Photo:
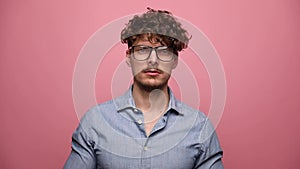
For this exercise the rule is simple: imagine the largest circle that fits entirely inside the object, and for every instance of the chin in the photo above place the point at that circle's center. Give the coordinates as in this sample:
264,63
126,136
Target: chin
149,86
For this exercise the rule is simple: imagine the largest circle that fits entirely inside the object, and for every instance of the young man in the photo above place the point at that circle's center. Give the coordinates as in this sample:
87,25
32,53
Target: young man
147,127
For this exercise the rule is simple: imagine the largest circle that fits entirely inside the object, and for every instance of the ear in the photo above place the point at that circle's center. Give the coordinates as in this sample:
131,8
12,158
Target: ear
175,62
128,58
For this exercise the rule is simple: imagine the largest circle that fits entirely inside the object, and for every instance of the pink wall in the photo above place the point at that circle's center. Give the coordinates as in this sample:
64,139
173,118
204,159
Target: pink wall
257,41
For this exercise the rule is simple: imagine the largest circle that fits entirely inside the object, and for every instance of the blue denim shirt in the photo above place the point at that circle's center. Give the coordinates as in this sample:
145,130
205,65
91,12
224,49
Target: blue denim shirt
111,135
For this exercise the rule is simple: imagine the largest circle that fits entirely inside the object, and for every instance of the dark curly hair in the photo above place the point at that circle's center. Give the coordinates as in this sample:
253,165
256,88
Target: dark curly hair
157,26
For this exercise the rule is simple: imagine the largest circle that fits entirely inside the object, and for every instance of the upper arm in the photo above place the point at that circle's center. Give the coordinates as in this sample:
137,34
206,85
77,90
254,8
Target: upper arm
82,154
210,153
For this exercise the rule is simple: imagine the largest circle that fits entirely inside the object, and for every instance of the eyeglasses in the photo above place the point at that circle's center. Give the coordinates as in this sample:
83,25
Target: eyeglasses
142,53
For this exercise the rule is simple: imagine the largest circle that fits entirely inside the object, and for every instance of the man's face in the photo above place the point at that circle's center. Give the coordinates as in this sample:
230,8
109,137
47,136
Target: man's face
151,73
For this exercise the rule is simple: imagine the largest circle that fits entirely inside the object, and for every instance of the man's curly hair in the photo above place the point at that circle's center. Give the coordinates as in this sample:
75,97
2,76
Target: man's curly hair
156,25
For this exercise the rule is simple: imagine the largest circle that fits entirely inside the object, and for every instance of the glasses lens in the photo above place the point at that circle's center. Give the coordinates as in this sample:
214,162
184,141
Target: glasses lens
165,53
141,52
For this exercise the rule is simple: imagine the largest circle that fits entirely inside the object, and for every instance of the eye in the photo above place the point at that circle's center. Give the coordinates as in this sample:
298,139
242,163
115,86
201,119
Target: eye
141,49
164,50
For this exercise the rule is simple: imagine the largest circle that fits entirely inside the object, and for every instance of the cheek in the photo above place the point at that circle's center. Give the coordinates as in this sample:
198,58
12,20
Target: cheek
137,67
167,68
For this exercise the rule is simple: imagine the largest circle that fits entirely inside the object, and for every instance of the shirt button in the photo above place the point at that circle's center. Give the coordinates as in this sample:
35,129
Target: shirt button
135,110
145,148
139,121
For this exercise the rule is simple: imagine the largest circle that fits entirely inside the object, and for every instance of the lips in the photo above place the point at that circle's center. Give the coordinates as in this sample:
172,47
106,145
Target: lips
152,72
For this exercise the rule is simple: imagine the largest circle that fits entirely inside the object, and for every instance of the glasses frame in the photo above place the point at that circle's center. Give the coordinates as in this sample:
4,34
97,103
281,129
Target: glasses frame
131,49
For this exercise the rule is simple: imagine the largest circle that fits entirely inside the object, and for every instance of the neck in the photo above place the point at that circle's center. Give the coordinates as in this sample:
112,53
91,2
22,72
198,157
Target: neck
155,100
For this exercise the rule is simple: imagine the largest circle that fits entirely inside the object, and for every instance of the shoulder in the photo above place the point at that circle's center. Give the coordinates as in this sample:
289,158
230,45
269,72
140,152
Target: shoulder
201,127
95,119
188,111
191,119
95,113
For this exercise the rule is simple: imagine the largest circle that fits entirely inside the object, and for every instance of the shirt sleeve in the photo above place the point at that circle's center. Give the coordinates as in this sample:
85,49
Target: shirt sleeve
210,153
82,154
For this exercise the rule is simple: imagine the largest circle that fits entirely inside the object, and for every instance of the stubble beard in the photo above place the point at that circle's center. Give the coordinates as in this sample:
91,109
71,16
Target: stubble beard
150,87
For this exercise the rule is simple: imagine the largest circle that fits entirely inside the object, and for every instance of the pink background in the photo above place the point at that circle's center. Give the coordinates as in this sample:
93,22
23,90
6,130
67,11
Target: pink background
258,43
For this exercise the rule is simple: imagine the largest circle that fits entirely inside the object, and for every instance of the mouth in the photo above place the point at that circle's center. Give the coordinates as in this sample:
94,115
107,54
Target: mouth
152,72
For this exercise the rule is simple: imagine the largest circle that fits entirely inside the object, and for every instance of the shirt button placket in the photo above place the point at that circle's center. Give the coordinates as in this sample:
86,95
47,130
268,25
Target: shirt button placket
146,159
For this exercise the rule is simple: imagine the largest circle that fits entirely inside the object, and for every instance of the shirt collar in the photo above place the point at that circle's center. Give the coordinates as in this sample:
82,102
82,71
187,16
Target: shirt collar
126,101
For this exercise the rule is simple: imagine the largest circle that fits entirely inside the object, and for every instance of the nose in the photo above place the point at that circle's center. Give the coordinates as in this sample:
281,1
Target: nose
153,57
